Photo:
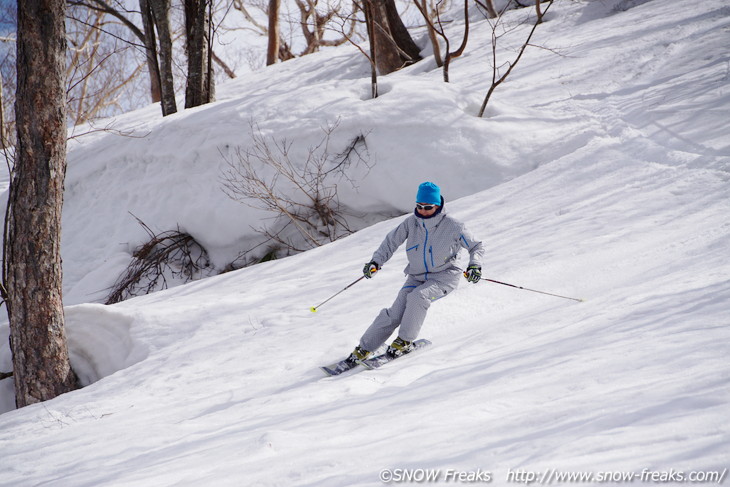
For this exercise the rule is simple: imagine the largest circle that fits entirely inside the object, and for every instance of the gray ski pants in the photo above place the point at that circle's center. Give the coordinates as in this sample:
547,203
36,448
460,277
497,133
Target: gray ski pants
409,308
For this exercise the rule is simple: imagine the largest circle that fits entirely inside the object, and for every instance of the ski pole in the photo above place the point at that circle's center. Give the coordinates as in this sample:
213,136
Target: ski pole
533,290
313,309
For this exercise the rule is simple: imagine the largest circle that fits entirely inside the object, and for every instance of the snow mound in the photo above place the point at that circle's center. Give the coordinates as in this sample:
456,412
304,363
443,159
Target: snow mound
100,341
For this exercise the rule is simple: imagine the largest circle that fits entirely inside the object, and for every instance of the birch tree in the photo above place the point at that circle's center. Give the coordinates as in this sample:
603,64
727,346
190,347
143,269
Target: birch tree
200,83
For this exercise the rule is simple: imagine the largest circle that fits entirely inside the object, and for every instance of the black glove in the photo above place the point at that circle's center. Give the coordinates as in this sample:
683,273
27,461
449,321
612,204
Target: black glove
473,273
370,269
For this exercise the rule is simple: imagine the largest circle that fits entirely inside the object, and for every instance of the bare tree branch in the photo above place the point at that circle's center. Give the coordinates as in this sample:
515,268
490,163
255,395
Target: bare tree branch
174,254
496,79
302,196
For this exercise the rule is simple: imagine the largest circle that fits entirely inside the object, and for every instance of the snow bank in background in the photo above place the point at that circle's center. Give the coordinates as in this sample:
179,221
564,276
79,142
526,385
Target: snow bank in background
418,129
175,166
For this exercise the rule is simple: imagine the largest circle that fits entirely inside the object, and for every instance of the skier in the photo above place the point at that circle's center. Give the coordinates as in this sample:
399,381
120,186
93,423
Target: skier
434,240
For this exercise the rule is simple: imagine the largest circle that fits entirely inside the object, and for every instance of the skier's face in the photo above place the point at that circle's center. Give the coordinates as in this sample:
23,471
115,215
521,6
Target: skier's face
426,209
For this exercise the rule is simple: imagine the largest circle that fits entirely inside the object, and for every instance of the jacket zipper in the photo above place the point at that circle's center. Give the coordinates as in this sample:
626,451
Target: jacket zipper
425,242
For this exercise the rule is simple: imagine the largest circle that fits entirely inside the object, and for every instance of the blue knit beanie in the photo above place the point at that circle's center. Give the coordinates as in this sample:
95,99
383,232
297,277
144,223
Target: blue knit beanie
429,193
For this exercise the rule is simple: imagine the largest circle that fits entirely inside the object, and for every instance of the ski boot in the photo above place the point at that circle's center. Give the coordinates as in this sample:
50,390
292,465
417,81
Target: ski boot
357,356
399,347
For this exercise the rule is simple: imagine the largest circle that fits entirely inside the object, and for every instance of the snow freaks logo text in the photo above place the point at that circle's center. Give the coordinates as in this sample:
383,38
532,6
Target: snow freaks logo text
548,477
425,475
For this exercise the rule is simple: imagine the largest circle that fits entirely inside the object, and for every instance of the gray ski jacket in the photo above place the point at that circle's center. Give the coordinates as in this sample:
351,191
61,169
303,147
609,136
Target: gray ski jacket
433,244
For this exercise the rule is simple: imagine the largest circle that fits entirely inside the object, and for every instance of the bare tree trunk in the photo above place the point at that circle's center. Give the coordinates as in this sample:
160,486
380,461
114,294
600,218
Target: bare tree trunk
410,50
147,37
368,9
272,54
394,46
423,7
33,267
150,44
453,55
3,139
387,58
161,15
209,73
197,23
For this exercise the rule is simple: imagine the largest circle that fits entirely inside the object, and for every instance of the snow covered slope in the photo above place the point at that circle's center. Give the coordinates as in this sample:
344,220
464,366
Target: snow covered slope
614,187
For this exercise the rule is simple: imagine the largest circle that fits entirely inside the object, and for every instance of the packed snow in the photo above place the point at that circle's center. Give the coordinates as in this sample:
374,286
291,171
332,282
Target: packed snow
601,171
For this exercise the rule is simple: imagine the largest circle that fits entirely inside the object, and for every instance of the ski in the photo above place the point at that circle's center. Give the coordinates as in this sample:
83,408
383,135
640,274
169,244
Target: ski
343,366
382,359
338,368
379,359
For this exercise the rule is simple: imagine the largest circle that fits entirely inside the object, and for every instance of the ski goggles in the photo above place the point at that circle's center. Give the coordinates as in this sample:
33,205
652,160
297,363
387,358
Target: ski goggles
425,207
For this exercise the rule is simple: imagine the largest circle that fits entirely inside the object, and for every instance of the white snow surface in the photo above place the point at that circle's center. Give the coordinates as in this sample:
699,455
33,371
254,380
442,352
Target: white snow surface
601,171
